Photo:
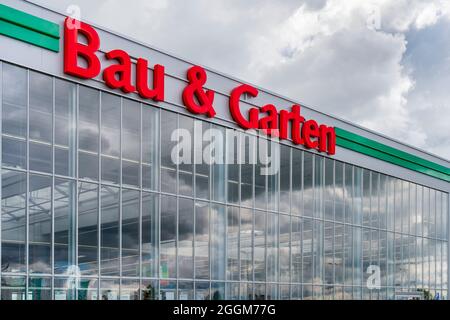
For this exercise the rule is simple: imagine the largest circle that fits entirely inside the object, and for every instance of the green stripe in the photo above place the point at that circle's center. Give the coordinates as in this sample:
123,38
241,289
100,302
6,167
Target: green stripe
28,21
380,151
27,35
392,151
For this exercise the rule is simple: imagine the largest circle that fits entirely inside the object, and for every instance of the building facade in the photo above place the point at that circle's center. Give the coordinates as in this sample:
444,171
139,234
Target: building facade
95,207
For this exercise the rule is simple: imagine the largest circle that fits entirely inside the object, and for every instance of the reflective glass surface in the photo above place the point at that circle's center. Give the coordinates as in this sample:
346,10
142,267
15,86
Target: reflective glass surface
96,204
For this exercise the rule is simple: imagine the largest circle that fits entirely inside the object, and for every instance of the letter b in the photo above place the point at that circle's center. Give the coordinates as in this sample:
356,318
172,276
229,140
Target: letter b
73,49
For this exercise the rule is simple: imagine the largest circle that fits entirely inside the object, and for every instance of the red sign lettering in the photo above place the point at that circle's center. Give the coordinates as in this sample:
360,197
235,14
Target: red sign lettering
118,75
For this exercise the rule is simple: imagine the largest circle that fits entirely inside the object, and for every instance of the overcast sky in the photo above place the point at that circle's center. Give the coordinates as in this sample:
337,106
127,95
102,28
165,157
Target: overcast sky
384,64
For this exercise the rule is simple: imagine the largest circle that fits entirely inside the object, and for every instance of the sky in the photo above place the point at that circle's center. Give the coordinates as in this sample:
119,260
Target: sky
383,64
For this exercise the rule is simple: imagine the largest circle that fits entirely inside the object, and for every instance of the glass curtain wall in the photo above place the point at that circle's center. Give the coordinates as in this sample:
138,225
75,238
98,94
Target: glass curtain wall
97,204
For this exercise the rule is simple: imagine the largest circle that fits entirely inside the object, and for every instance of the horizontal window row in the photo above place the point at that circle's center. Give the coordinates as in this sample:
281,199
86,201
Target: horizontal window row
41,288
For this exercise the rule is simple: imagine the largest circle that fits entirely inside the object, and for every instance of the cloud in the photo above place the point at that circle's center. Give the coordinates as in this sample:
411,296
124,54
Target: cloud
360,60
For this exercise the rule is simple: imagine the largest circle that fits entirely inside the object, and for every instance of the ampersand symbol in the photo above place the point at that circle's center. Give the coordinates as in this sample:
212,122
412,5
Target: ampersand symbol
204,104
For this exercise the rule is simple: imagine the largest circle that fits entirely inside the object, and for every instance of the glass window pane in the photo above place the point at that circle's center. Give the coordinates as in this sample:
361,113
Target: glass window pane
260,176
202,163
110,137
88,133
374,203
318,185
272,172
339,198
382,191
338,243
445,214
328,190
131,142
14,188
14,152
297,196
65,111
14,107
201,240
185,290
202,291
218,167
110,244
167,290
248,149
296,250
185,238
357,196
150,235
285,234
272,247
318,252
39,288
246,245
307,249
246,291
64,224
149,289
129,289
41,157
218,236
169,124
260,291
185,147
217,291
432,214
40,224
130,173
109,289
168,237
65,289
260,246
110,169
233,145
62,162
271,291
406,212
131,125
13,288
348,193
65,128
366,185
150,148
233,243
348,258
397,204
130,233
285,178
88,166
87,289
308,191
41,107
438,222
87,228
88,126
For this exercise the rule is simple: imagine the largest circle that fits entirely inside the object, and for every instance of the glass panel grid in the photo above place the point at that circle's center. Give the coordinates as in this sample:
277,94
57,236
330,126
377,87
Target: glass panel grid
86,215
